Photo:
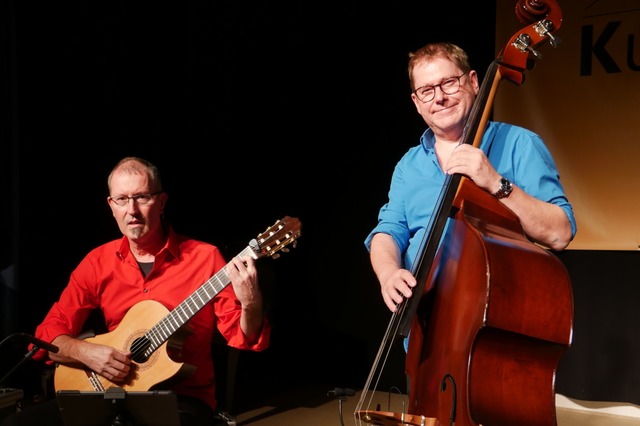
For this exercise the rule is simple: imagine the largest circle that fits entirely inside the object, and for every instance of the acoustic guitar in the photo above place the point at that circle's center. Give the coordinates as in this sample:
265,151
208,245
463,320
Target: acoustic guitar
153,334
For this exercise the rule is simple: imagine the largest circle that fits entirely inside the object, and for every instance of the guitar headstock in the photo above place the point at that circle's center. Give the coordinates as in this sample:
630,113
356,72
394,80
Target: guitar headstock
277,237
543,17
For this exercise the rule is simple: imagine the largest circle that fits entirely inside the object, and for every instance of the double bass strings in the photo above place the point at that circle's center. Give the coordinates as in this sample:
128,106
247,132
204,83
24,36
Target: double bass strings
392,331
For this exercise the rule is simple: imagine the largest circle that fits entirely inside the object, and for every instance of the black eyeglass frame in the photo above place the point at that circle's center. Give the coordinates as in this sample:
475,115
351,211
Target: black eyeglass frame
444,81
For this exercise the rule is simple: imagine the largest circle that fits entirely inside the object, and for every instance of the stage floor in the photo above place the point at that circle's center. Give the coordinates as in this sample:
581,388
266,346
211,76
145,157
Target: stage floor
309,405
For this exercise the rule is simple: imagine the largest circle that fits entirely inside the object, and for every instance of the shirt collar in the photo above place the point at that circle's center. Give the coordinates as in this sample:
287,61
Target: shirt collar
172,245
428,140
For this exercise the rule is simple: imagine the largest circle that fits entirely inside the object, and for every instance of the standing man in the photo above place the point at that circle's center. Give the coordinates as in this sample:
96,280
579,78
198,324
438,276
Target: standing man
512,163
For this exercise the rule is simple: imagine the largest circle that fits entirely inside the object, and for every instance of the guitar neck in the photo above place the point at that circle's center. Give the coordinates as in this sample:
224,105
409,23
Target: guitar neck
182,313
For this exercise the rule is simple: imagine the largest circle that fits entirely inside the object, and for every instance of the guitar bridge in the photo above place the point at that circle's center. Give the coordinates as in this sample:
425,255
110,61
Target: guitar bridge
95,381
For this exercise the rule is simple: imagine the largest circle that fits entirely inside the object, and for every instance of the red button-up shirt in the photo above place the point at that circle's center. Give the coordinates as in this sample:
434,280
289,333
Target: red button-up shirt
109,279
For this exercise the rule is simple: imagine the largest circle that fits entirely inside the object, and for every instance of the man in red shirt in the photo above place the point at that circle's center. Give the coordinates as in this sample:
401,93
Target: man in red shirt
151,262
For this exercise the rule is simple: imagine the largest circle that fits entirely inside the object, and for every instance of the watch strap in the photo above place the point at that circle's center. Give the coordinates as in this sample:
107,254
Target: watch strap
505,189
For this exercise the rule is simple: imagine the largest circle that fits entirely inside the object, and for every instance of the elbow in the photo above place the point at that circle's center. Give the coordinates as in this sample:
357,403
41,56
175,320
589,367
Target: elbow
561,239
559,245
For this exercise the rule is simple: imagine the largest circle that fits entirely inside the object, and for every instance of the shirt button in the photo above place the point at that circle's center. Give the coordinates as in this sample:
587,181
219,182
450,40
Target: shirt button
145,291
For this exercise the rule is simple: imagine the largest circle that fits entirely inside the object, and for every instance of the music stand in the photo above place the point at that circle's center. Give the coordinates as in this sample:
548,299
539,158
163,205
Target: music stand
117,407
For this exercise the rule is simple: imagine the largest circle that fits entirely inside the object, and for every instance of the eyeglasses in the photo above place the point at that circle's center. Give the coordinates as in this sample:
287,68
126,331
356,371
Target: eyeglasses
449,86
140,199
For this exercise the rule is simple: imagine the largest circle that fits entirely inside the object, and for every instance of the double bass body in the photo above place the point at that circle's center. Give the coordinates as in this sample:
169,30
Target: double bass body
494,319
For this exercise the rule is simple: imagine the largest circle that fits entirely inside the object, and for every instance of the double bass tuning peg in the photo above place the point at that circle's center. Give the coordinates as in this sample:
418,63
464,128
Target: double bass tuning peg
523,43
554,41
544,28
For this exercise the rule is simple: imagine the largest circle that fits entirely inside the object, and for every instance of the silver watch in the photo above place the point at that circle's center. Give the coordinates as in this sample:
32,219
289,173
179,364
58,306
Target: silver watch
505,189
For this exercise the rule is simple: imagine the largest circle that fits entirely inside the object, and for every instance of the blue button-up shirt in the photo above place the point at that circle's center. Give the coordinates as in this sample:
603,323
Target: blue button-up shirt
515,152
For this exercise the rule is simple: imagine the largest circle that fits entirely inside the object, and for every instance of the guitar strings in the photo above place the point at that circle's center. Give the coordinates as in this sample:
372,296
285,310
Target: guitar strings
166,327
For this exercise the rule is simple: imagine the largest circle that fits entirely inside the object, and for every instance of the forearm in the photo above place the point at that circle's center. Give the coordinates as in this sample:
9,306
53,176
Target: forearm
544,223
251,321
69,350
385,256
396,283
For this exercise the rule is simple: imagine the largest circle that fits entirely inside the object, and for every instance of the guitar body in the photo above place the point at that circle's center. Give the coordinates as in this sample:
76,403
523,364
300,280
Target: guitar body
158,368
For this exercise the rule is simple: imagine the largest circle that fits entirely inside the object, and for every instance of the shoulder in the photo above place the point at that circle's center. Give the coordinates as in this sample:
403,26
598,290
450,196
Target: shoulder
510,131
182,246
112,246
511,138
183,241
190,244
413,154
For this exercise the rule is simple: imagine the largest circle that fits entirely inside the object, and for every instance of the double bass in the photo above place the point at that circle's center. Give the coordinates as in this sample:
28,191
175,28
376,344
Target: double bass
492,313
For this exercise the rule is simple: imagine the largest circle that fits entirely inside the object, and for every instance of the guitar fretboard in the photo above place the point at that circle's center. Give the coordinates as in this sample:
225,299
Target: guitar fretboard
175,319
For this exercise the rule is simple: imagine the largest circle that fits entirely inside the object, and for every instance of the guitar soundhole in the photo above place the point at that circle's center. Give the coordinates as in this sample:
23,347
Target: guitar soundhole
139,349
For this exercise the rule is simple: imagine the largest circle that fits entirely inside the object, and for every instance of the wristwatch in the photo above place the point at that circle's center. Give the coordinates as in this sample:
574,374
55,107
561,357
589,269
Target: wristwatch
505,189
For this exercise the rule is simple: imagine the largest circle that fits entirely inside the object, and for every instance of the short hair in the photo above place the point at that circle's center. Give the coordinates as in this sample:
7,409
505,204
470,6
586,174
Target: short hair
135,165
441,49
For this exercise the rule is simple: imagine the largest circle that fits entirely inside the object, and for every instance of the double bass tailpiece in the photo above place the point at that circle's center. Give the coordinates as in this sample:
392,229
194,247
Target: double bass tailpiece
386,418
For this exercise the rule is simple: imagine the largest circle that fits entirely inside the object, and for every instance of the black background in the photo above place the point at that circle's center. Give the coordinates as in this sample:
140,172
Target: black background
253,111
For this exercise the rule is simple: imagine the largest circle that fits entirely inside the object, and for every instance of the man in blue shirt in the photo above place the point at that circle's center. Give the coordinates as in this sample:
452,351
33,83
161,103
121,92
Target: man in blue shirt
512,163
